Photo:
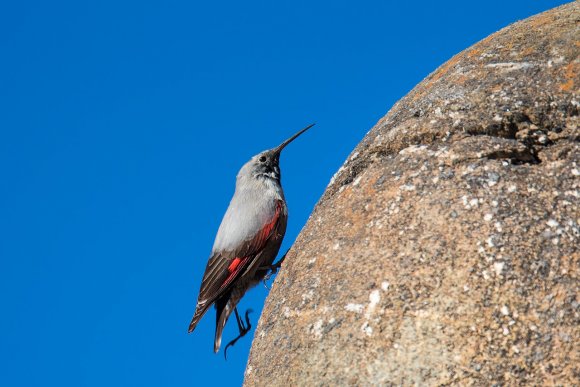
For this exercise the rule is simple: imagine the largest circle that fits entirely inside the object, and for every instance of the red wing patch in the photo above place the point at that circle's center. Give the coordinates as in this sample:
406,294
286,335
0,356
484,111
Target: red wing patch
267,230
237,263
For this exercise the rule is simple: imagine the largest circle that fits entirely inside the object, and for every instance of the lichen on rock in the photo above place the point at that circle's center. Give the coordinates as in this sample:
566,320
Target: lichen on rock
445,250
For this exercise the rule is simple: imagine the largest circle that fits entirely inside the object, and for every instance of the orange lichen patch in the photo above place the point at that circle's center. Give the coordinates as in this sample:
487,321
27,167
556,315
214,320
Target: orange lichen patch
528,52
569,265
497,88
570,74
443,70
473,52
508,46
540,21
477,50
461,79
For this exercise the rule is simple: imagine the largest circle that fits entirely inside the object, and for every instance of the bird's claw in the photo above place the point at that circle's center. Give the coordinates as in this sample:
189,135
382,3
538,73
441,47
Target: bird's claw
244,328
273,269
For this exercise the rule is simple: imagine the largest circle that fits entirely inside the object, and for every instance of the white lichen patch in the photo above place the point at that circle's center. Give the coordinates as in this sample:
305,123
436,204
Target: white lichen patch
412,149
333,178
367,329
316,329
308,296
374,299
498,267
385,285
288,313
326,309
469,203
557,59
356,308
504,310
488,217
574,193
510,66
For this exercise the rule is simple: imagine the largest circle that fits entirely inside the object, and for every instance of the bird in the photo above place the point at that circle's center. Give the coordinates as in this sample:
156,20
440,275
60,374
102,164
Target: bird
247,242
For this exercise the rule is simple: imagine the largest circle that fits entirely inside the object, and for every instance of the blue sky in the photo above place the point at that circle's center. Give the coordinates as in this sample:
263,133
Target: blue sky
122,127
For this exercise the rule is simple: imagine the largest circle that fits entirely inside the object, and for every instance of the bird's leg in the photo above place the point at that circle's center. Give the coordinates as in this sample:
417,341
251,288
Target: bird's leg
273,268
244,328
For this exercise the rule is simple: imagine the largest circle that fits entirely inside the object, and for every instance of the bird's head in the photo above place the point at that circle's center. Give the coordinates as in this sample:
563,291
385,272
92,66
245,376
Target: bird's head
266,164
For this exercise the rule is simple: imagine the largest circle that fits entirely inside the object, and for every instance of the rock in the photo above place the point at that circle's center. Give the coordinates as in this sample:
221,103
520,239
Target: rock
445,250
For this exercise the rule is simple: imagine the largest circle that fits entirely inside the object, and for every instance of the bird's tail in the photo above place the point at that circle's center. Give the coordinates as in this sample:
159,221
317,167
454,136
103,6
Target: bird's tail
224,308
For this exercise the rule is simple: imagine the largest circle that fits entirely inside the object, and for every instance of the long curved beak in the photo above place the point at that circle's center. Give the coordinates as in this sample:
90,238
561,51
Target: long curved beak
279,148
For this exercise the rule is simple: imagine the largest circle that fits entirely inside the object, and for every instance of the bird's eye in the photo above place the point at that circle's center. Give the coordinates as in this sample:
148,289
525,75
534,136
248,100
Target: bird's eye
262,159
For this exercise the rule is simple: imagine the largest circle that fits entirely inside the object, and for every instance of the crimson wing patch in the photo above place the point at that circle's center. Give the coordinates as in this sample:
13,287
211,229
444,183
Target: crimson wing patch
222,270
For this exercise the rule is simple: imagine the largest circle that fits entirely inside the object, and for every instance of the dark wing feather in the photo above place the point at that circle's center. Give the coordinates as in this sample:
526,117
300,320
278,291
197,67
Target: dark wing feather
223,268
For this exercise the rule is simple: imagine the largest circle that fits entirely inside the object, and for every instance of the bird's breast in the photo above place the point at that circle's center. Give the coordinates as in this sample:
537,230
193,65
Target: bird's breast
247,215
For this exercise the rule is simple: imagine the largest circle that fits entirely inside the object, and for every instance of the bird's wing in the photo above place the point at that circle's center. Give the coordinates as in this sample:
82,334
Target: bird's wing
223,268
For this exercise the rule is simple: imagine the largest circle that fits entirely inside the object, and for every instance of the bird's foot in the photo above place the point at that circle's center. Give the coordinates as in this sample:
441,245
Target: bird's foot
244,328
273,268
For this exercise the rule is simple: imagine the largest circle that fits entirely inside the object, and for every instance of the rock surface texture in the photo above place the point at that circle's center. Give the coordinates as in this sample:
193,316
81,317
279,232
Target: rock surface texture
446,249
